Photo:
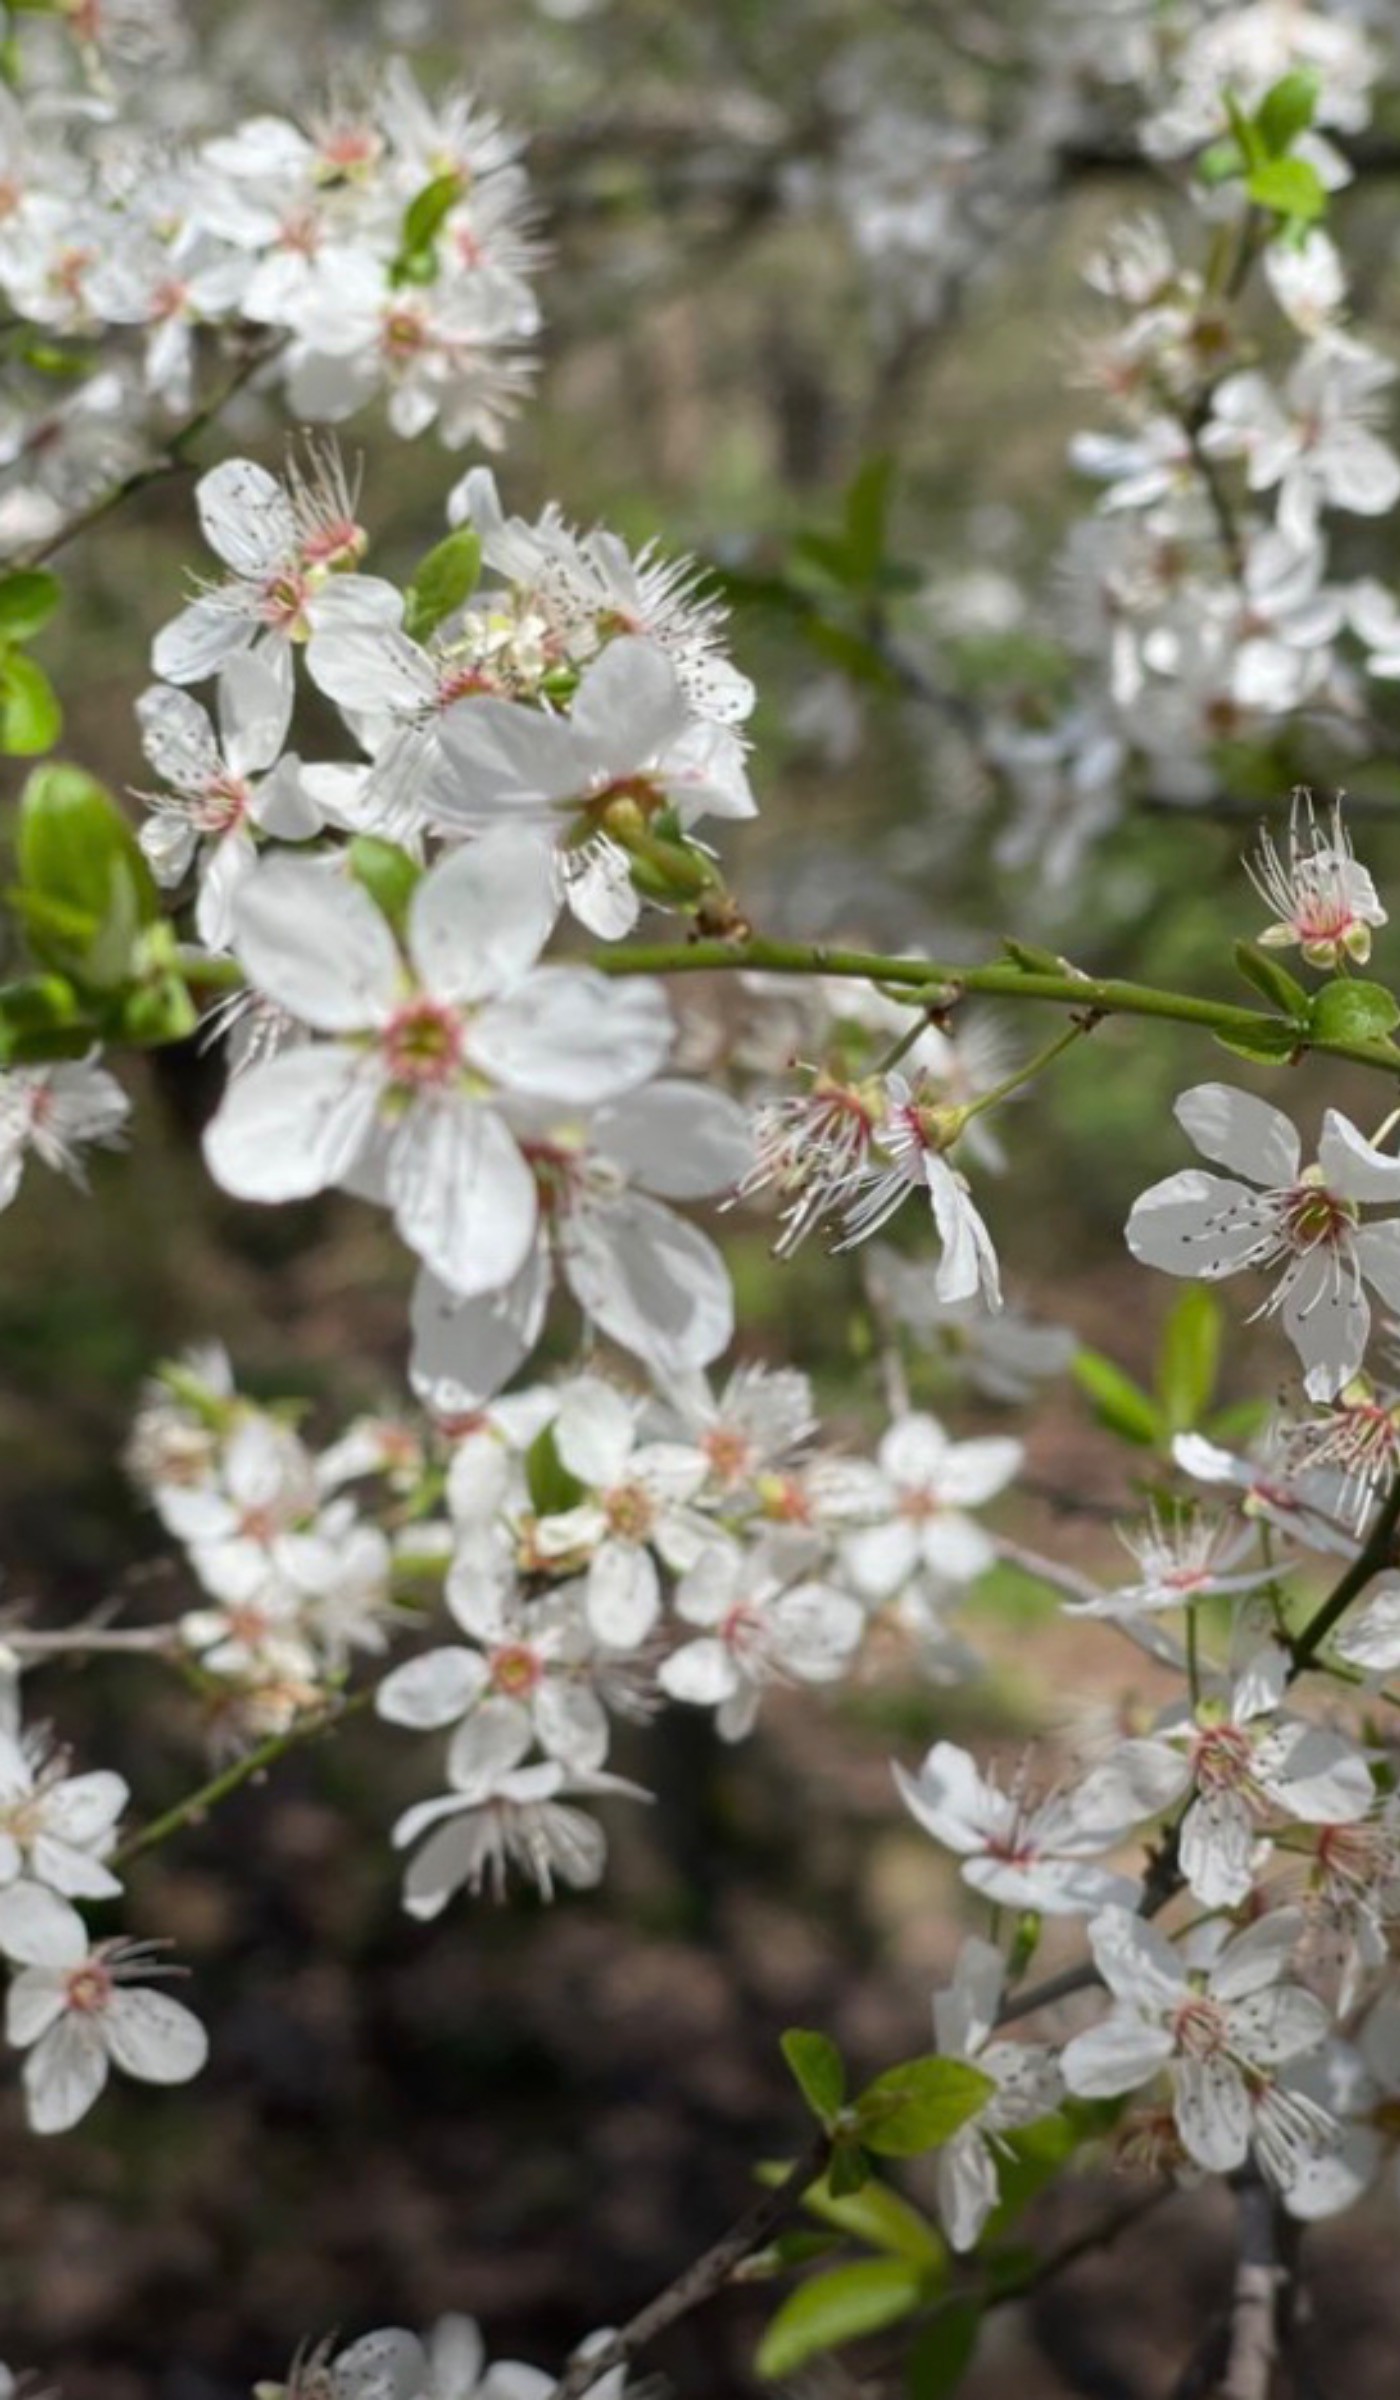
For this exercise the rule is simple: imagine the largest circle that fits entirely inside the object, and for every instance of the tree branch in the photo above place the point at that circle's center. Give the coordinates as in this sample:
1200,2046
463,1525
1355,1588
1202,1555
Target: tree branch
1065,987
173,455
702,2279
1259,2281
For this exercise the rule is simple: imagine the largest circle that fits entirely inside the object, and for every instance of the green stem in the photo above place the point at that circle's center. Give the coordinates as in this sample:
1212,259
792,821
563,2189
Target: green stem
1100,996
253,1763
1371,1561
1027,1074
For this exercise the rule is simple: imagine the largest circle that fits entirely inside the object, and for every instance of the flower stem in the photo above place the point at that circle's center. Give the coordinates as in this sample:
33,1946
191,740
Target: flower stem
196,1805
1023,1075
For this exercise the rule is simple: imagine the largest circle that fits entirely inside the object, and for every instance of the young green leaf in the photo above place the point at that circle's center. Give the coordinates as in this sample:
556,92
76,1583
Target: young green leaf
444,580
41,1017
1281,990
920,2104
552,1488
86,890
867,518
1287,110
848,2170
1188,1360
838,2307
1263,1040
818,2070
28,598
1290,188
1350,1011
1117,1401
387,873
943,2352
882,2218
423,219
31,719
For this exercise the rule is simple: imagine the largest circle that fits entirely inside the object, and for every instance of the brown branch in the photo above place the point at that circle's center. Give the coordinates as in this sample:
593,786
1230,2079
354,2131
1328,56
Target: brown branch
171,458
703,2278
90,1641
1260,2278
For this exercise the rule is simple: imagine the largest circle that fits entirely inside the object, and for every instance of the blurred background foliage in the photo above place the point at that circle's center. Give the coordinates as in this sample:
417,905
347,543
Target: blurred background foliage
538,2116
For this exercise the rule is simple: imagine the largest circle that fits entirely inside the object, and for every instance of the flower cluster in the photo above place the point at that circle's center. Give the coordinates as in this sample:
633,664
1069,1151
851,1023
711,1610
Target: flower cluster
383,249
71,2006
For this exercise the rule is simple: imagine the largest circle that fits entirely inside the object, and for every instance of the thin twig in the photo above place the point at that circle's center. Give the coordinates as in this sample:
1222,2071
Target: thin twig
173,456
196,1805
90,1641
703,2278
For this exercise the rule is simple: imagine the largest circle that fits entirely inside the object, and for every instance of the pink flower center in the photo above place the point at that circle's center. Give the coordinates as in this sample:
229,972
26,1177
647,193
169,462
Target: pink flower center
422,1045
282,600
222,804
739,1629
516,1669
730,1453
1200,2028
1222,1758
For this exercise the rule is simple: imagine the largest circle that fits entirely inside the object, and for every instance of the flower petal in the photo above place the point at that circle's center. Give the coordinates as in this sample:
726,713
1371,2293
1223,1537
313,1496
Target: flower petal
1234,1129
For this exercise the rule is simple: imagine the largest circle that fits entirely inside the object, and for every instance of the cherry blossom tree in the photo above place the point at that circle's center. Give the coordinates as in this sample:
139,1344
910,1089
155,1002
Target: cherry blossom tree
449,867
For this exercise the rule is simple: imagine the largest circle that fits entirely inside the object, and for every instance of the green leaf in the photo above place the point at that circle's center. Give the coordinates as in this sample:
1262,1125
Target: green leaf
827,551
920,2104
87,892
1232,1427
849,2170
1188,1360
867,518
387,873
1269,977
1031,2157
943,2352
838,2307
818,2070
1349,1011
1030,960
786,2250
1245,131
851,652
442,582
882,2218
428,211
158,1012
30,717
1221,163
1287,110
1118,1402
28,599
41,1017
1290,188
553,1489
1263,1040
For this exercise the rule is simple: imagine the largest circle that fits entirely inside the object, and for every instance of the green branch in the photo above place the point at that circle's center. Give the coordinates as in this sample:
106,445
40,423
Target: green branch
1372,1560
196,1805
1002,980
